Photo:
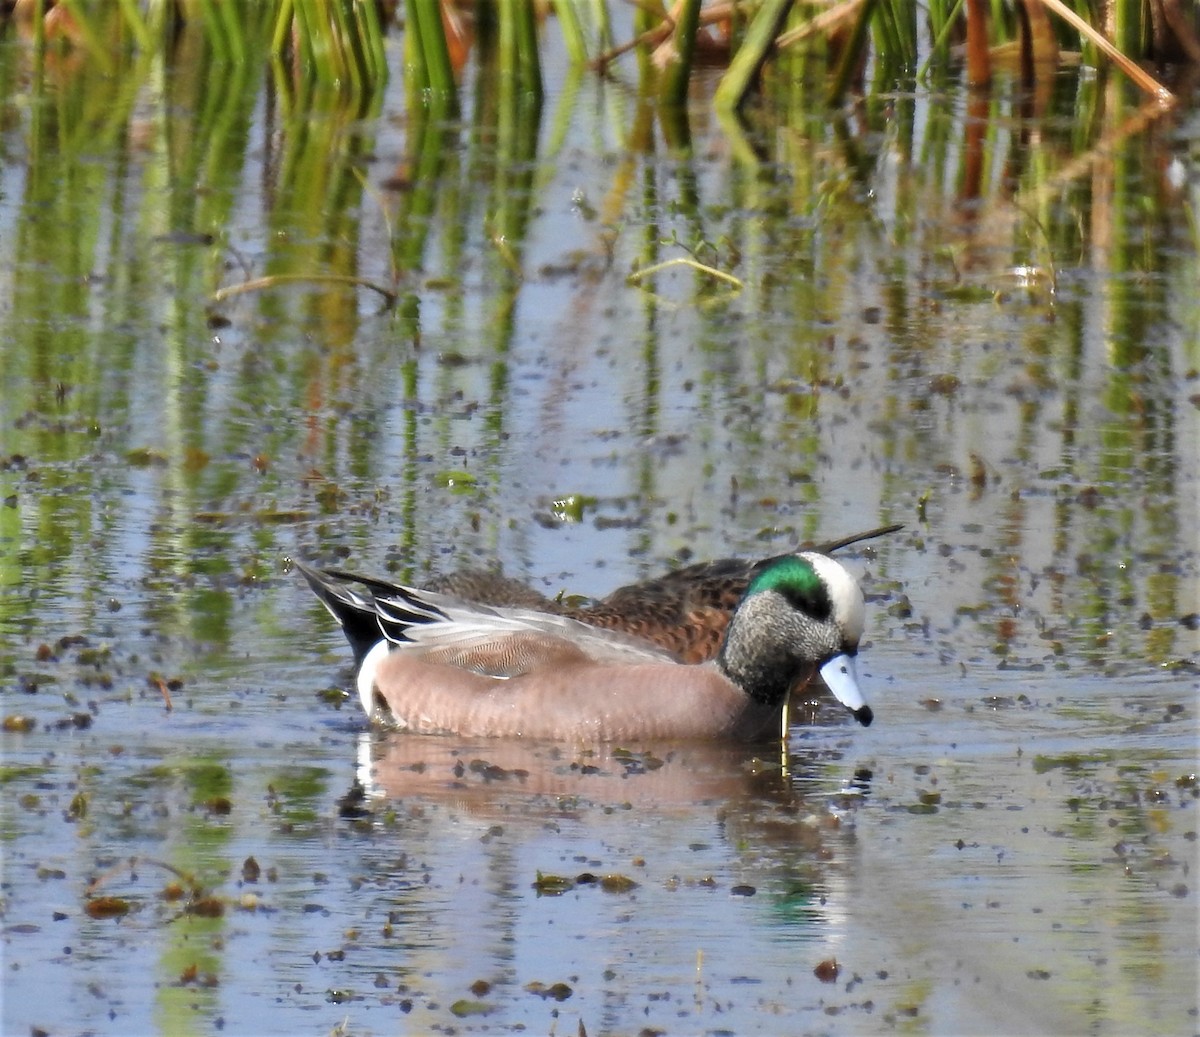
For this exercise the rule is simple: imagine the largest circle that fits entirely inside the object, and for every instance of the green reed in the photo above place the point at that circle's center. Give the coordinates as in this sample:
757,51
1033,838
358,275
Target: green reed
342,42
427,56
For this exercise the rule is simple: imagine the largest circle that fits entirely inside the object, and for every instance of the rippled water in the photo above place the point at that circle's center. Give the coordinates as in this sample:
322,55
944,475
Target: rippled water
1010,848
998,850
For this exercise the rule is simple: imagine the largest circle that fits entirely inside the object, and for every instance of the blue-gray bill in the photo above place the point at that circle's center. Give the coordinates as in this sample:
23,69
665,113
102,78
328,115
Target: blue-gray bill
841,677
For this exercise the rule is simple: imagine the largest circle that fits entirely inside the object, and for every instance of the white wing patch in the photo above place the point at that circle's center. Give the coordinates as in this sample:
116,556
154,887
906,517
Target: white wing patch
421,622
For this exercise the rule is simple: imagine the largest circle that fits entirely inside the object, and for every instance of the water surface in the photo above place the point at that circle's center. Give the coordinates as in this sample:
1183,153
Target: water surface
1012,372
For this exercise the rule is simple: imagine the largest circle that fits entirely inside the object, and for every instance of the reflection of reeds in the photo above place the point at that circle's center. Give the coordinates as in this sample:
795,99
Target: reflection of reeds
980,304
946,214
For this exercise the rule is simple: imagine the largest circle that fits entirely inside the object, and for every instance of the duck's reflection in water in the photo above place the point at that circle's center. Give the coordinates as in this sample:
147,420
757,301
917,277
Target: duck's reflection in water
763,800
609,868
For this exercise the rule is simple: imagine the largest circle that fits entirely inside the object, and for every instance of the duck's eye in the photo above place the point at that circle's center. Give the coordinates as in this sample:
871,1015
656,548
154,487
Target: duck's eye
811,599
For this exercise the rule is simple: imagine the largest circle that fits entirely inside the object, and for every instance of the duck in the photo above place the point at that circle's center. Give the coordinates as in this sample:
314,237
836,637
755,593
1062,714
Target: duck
433,663
685,611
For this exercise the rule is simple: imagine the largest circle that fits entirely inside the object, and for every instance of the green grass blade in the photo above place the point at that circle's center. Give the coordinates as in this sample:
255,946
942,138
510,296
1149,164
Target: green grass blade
137,24
851,52
371,30
431,52
285,16
755,48
678,73
574,39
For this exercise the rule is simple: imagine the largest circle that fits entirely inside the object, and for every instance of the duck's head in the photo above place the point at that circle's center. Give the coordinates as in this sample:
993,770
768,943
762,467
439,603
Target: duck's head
801,613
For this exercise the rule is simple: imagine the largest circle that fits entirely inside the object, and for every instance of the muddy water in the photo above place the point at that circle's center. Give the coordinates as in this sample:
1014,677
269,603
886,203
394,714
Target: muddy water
1017,856
199,834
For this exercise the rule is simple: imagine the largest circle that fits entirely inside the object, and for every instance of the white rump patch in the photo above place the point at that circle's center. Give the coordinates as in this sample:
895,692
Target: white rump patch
366,675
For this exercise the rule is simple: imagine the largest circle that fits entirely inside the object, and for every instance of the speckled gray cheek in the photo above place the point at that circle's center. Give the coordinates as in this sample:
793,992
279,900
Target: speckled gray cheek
771,644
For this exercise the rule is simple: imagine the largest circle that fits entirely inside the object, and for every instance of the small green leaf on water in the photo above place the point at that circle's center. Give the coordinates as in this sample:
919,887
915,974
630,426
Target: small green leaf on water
143,457
617,884
552,885
572,601
334,697
282,516
454,479
969,293
637,762
329,497
571,508
97,656
464,1007
555,992
1068,762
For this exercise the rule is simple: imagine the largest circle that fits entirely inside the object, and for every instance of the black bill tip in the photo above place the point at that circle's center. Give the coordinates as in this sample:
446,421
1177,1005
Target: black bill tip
864,716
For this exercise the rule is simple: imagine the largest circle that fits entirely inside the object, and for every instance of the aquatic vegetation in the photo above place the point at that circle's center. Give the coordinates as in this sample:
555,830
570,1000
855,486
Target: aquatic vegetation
971,311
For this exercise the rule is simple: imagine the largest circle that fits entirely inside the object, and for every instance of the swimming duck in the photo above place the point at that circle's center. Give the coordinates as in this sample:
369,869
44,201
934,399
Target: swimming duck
685,611
433,663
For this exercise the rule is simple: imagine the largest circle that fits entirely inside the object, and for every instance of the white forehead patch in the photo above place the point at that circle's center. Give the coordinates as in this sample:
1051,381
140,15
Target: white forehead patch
846,596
